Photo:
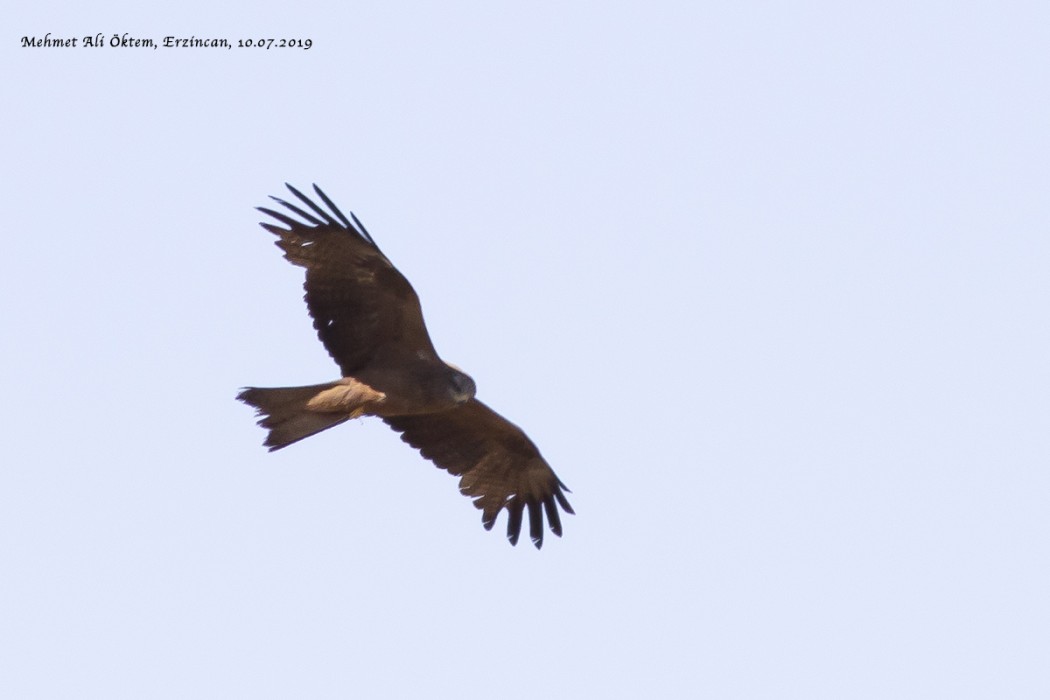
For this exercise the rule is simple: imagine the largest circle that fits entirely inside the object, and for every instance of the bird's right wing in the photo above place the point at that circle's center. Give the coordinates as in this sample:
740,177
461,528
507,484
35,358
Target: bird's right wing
357,298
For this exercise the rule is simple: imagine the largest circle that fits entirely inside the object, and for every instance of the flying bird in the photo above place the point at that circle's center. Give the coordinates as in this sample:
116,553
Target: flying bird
369,319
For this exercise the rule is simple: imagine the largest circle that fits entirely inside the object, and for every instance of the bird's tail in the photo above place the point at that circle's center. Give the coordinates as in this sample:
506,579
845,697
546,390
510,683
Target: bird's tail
285,414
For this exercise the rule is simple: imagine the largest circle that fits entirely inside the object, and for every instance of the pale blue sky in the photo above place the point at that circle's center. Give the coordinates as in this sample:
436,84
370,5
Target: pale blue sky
767,284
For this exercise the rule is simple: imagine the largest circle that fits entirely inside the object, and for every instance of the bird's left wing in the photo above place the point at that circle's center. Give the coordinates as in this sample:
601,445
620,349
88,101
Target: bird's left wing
498,465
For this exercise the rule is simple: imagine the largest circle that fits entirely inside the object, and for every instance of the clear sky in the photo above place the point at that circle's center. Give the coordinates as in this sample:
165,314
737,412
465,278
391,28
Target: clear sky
766,282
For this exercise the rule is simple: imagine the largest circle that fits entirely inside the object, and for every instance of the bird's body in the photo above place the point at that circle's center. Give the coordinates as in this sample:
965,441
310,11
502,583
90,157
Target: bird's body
370,321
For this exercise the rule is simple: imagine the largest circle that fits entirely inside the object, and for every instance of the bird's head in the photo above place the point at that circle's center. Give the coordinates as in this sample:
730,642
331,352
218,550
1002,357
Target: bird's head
461,386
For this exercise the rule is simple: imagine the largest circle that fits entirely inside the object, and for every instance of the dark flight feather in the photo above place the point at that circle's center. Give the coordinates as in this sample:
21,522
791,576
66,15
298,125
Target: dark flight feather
360,303
498,465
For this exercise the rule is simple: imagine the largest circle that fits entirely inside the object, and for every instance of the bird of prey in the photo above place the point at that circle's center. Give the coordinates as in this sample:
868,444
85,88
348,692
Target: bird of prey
369,319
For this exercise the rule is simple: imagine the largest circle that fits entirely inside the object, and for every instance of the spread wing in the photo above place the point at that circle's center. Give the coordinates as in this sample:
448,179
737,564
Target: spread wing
499,465
360,303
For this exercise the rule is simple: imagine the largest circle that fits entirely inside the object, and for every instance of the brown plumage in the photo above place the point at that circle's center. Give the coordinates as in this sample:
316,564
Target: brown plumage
370,321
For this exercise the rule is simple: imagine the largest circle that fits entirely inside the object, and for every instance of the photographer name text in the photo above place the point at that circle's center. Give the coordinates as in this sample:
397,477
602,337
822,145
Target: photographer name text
128,41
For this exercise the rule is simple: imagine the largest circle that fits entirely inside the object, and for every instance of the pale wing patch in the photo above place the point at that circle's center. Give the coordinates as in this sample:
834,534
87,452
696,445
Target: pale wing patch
347,396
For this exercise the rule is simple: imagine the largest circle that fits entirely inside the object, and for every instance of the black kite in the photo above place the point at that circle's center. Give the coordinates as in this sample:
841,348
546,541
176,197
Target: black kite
370,321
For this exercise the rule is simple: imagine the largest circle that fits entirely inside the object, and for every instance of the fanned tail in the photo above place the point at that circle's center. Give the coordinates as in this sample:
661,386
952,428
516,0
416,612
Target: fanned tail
284,413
